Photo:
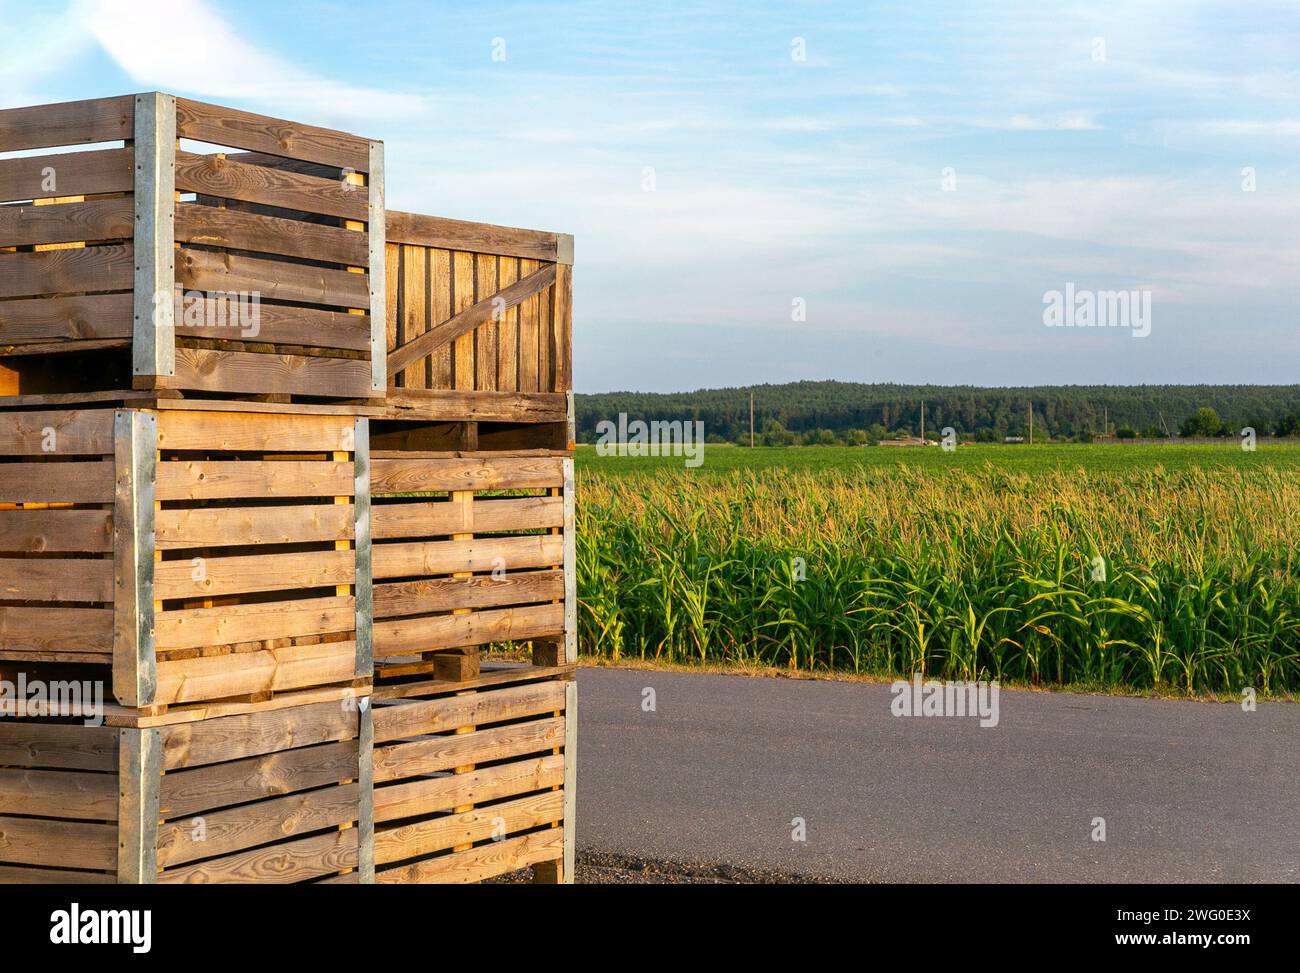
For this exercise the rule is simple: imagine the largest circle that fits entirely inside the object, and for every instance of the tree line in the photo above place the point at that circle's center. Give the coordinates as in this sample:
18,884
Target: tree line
849,413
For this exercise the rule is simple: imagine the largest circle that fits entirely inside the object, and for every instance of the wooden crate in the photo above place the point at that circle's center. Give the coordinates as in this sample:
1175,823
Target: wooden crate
479,320
469,549
476,780
115,261
182,555
278,795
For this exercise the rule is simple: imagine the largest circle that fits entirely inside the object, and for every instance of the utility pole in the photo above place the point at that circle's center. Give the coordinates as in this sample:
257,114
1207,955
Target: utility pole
751,418
923,419
1105,421
1031,422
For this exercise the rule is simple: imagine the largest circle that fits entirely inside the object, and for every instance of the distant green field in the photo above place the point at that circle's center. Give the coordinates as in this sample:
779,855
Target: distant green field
1152,566
1111,456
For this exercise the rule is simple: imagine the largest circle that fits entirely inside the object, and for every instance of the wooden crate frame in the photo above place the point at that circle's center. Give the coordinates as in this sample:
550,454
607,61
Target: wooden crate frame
456,565
478,780
480,320
183,555
276,796
102,242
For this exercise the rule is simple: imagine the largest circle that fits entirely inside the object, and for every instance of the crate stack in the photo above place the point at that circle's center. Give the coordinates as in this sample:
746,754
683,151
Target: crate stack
275,549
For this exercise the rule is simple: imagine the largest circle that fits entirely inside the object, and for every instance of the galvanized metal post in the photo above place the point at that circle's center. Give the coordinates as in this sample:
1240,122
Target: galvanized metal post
154,333
570,778
139,777
366,800
363,581
135,456
377,231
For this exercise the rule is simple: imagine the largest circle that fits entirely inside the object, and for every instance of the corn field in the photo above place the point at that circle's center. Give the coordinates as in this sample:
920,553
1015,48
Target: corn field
1140,578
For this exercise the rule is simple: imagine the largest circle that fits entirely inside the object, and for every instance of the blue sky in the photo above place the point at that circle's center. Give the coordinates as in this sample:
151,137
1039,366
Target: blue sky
712,177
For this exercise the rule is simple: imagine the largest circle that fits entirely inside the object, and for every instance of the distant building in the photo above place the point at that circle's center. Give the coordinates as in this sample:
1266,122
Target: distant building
1013,439
906,441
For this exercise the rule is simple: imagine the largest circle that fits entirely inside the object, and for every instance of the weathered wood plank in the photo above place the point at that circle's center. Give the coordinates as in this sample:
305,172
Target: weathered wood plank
407,635
410,559
67,174
445,234
107,268
259,133
254,734
58,794
53,876
234,479
416,475
88,482
448,404
58,844
439,834
255,432
289,861
187,792
38,321
58,433
447,594
263,671
235,371
231,526
221,319
391,520
233,624
217,226
479,863
431,755
274,280
77,580
413,718
67,123
89,220
246,574
223,177
66,631
58,746
56,531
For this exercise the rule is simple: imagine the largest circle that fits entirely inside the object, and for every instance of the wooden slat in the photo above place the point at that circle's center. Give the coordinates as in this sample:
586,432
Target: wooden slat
57,631
487,287
58,794
407,635
462,300
391,520
58,844
482,406
254,734
90,269
259,133
56,579
408,559
439,834
289,861
231,526
431,755
563,329
428,475
274,280
235,371
224,178
58,746
263,671
255,432
243,827
56,531
438,794
41,320
507,378
232,624
481,862
218,226
188,792
68,123
248,573
468,319
529,334
440,291
274,324
95,219
413,718
447,594
53,876
415,311
214,479
73,174
74,433
89,482
445,234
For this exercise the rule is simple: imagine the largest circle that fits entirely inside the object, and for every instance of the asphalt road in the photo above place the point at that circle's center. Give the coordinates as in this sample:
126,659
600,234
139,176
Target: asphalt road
722,767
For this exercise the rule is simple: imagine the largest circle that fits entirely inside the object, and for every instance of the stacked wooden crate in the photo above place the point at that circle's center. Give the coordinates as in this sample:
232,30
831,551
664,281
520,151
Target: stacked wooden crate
186,513
187,343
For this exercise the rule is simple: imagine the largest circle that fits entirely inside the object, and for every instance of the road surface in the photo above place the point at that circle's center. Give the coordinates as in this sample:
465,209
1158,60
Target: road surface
720,770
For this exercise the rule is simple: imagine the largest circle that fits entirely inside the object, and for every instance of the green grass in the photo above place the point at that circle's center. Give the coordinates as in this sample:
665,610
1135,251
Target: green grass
973,564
